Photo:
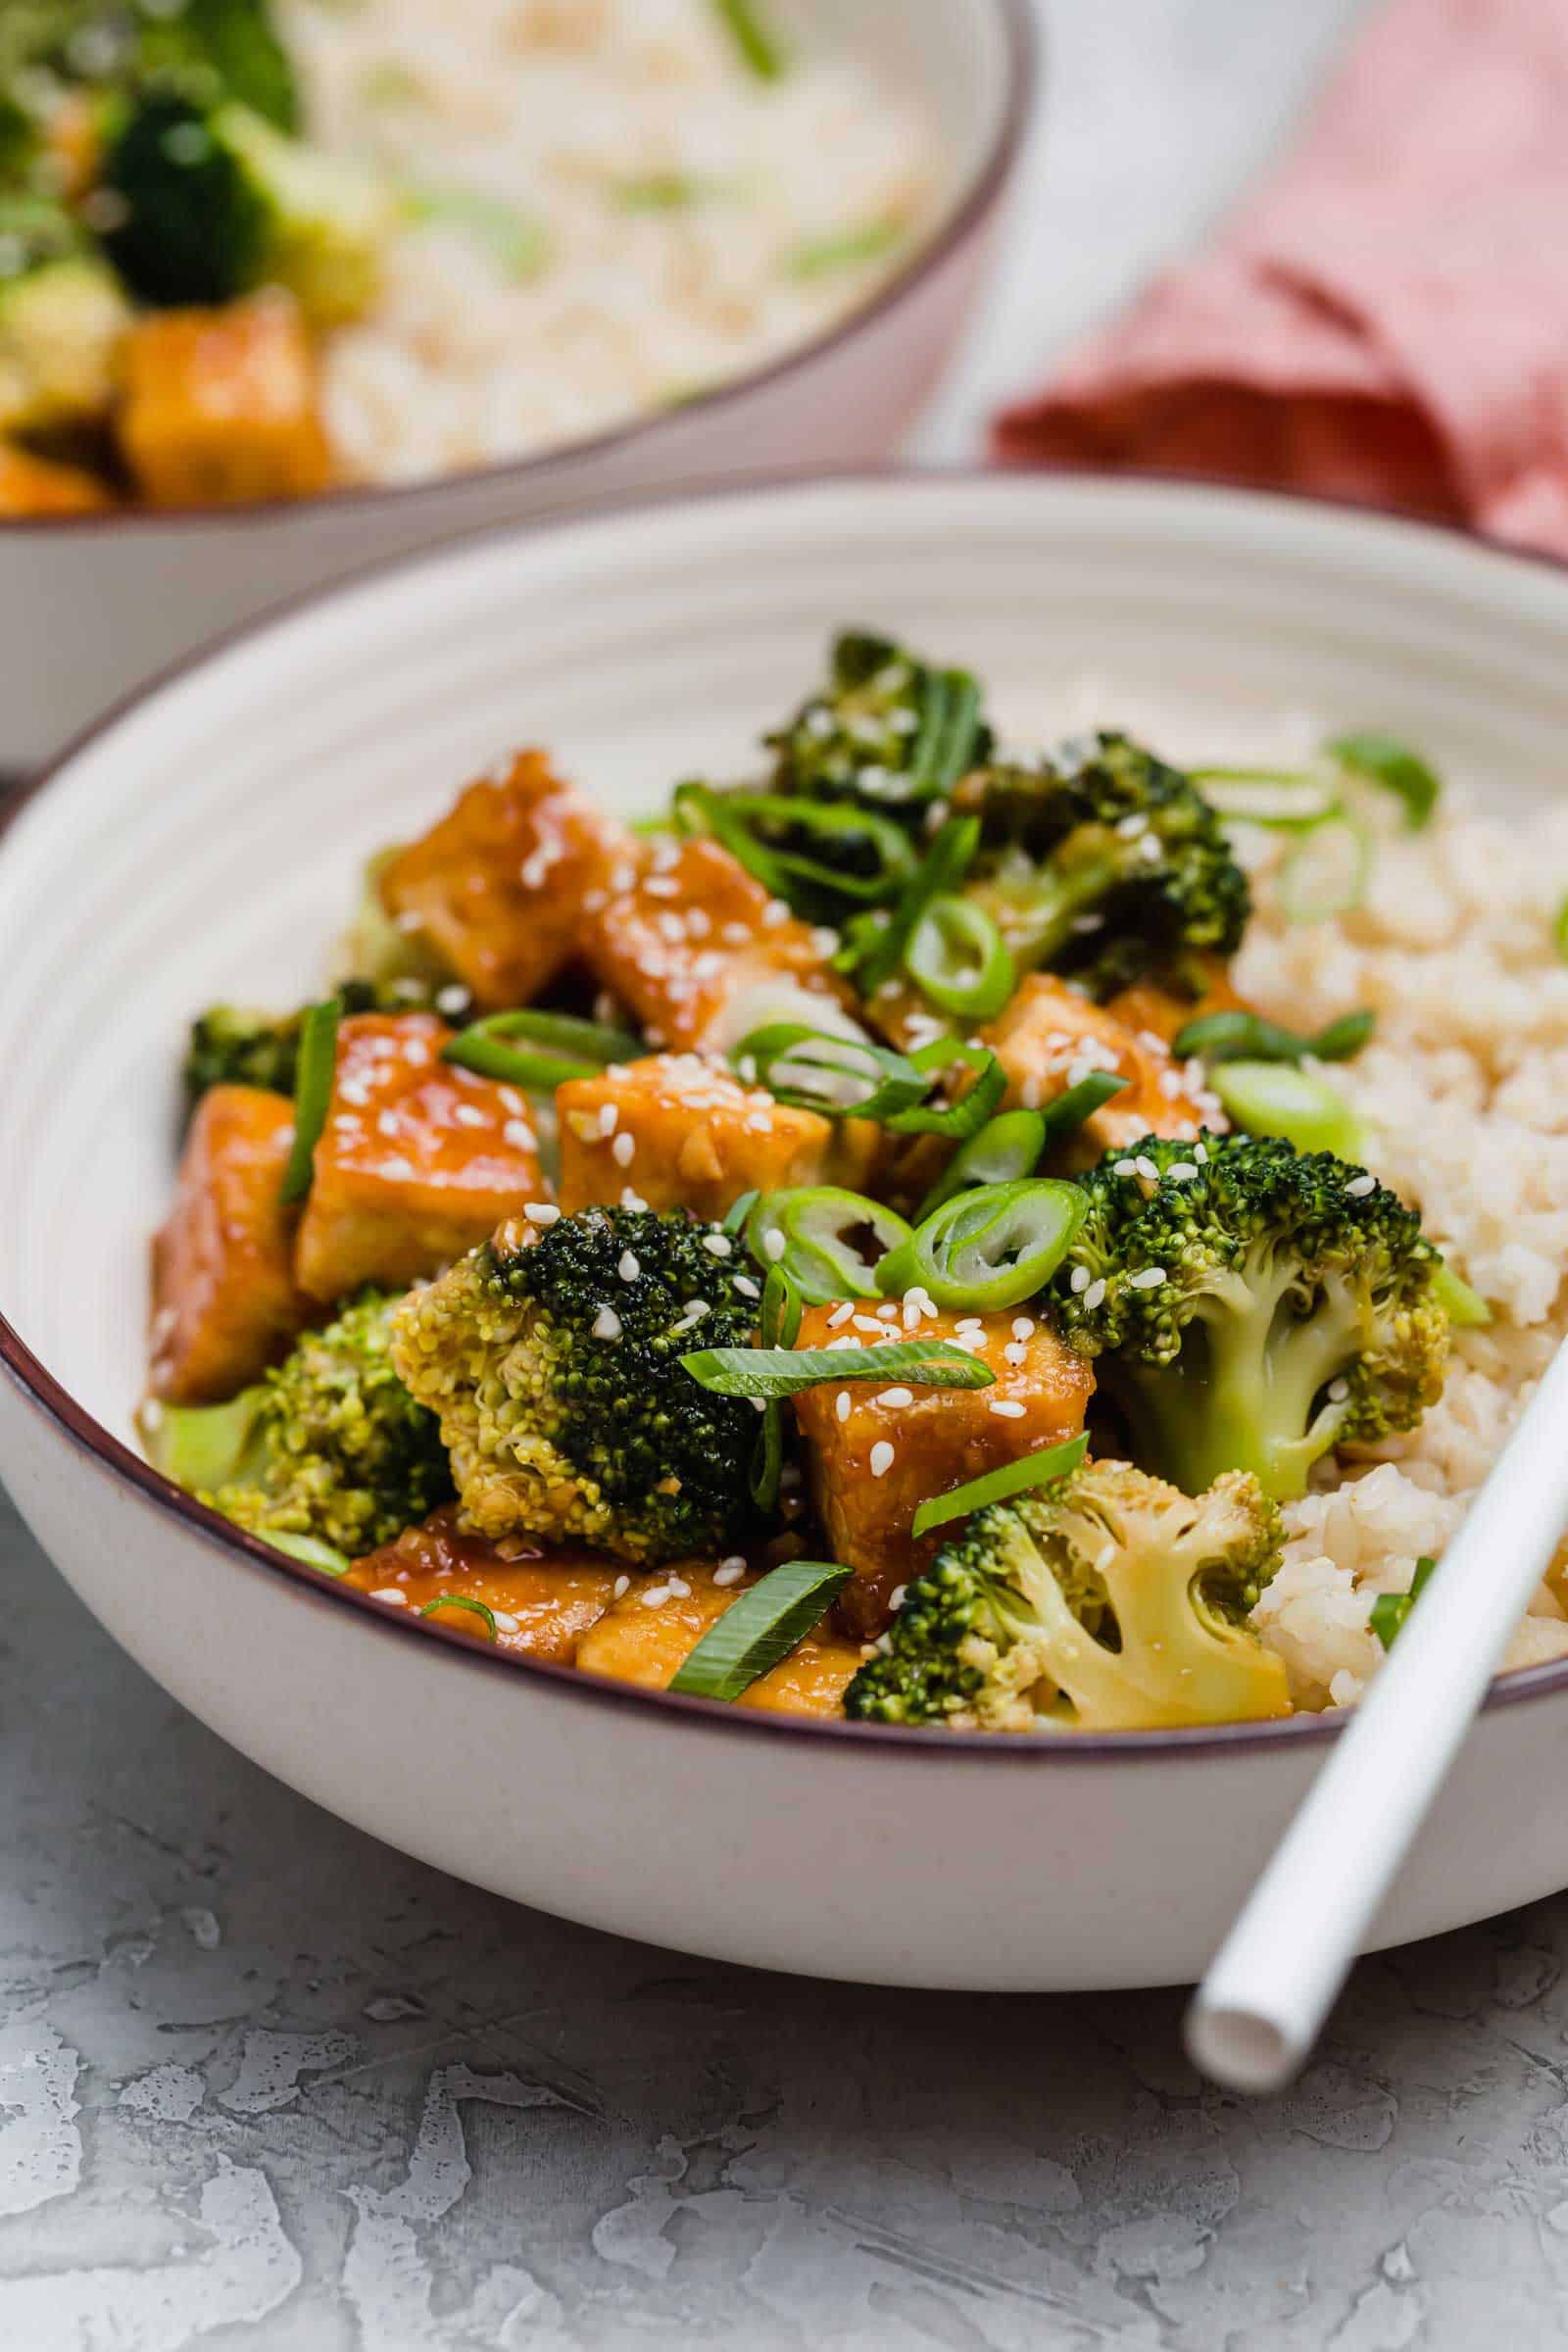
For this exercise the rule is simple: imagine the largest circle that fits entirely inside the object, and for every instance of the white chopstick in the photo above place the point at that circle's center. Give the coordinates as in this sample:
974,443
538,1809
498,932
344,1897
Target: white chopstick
1258,2010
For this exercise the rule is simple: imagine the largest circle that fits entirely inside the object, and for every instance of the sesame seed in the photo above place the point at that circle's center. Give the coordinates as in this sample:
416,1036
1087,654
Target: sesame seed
1146,1168
680,1588
719,1245
608,1118
519,1135
1125,1167
1182,1171
1200,1155
1079,1280
897,1396
1149,1280
504,1621
746,1288
1338,1390
897,1597
1006,1408
622,1584
1094,1296
624,1150
543,1212
468,1114
533,870
841,1315
606,1324
842,1404
1015,1353
392,1596
729,1572
1023,1326
654,1596
881,1458
845,1340
630,1266
1360,1185
773,1246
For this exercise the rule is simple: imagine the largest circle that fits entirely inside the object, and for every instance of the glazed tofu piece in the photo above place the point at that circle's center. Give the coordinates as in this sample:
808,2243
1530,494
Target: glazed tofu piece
220,406
418,1162
543,1601
225,1300
1050,1038
680,1131
685,931
1157,1012
879,1450
658,1621
497,886
30,486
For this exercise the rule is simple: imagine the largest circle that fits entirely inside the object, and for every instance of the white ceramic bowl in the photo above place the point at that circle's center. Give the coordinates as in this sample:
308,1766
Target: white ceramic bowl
203,843
91,606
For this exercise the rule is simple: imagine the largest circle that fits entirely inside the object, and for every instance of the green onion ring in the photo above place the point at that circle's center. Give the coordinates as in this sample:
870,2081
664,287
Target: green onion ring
460,1600
313,1551
1383,761
955,1121
814,1221
989,1249
1279,1097
785,1371
314,1073
1013,1478
894,1082
759,49
760,1629
567,1049
959,959
1327,871
1389,1610
738,1210
1069,1111
1003,1152
874,949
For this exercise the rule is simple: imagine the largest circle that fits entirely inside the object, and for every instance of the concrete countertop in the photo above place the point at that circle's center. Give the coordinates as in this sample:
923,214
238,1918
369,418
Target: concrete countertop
265,2083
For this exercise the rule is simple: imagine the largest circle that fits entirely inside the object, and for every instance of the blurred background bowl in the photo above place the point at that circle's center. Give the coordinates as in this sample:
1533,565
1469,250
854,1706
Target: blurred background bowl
91,606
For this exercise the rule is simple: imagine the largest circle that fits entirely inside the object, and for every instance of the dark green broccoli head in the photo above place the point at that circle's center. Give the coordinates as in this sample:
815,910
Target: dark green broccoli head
328,1445
1103,864
209,49
886,729
234,1045
1105,1601
552,1355
1249,1307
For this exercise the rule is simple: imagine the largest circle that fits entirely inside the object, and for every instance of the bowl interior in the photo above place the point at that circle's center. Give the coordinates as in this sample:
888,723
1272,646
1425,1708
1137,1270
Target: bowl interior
205,845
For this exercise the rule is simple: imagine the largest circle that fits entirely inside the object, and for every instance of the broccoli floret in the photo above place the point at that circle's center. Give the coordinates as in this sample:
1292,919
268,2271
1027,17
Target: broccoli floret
886,730
1104,866
62,315
554,1361
1105,1601
1249,1307
216,202
209,49
328,1445
234,1045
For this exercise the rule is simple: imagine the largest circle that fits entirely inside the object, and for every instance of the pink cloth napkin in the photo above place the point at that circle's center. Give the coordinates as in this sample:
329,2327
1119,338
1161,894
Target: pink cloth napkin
1388,320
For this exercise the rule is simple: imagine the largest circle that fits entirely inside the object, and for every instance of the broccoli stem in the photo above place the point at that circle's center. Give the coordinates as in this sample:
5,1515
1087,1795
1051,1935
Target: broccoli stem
1247,1390
1040,914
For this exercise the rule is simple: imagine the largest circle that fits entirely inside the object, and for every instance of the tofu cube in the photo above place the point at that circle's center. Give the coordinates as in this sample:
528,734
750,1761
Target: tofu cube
220,406
889,1445
1050,1038
543,1602
685,930
650,1630
225,1300
679,1131
417,1163
497,886
31,485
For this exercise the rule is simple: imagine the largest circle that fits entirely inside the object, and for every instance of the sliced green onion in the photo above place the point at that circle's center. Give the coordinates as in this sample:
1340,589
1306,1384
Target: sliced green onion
959,1120
1389,1610
1235,1035
780,1317
787,1371
1328,870
818,1228
663,192
515,240
1276,1098
1013,1478
460,1600
1068,1113
313,1552
738,819
1464,1307
874,947
949,733
1383,761
846,248
1559,931
753,36
784,1054
960,961
989,1249
314,1074
566,1047
1281,800
738,1212
765,1474
760,1629
779,1324
1006,1150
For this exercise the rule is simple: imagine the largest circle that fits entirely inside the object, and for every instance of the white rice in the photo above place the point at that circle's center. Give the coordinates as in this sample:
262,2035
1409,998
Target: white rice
1465,1087
560,111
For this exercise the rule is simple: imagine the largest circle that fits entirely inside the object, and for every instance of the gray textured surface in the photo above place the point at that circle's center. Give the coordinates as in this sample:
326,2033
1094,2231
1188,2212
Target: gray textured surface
265,2083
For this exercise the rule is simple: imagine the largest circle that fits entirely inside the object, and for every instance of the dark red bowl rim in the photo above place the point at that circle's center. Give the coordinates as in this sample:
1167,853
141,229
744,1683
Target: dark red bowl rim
111,1454
1021,35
